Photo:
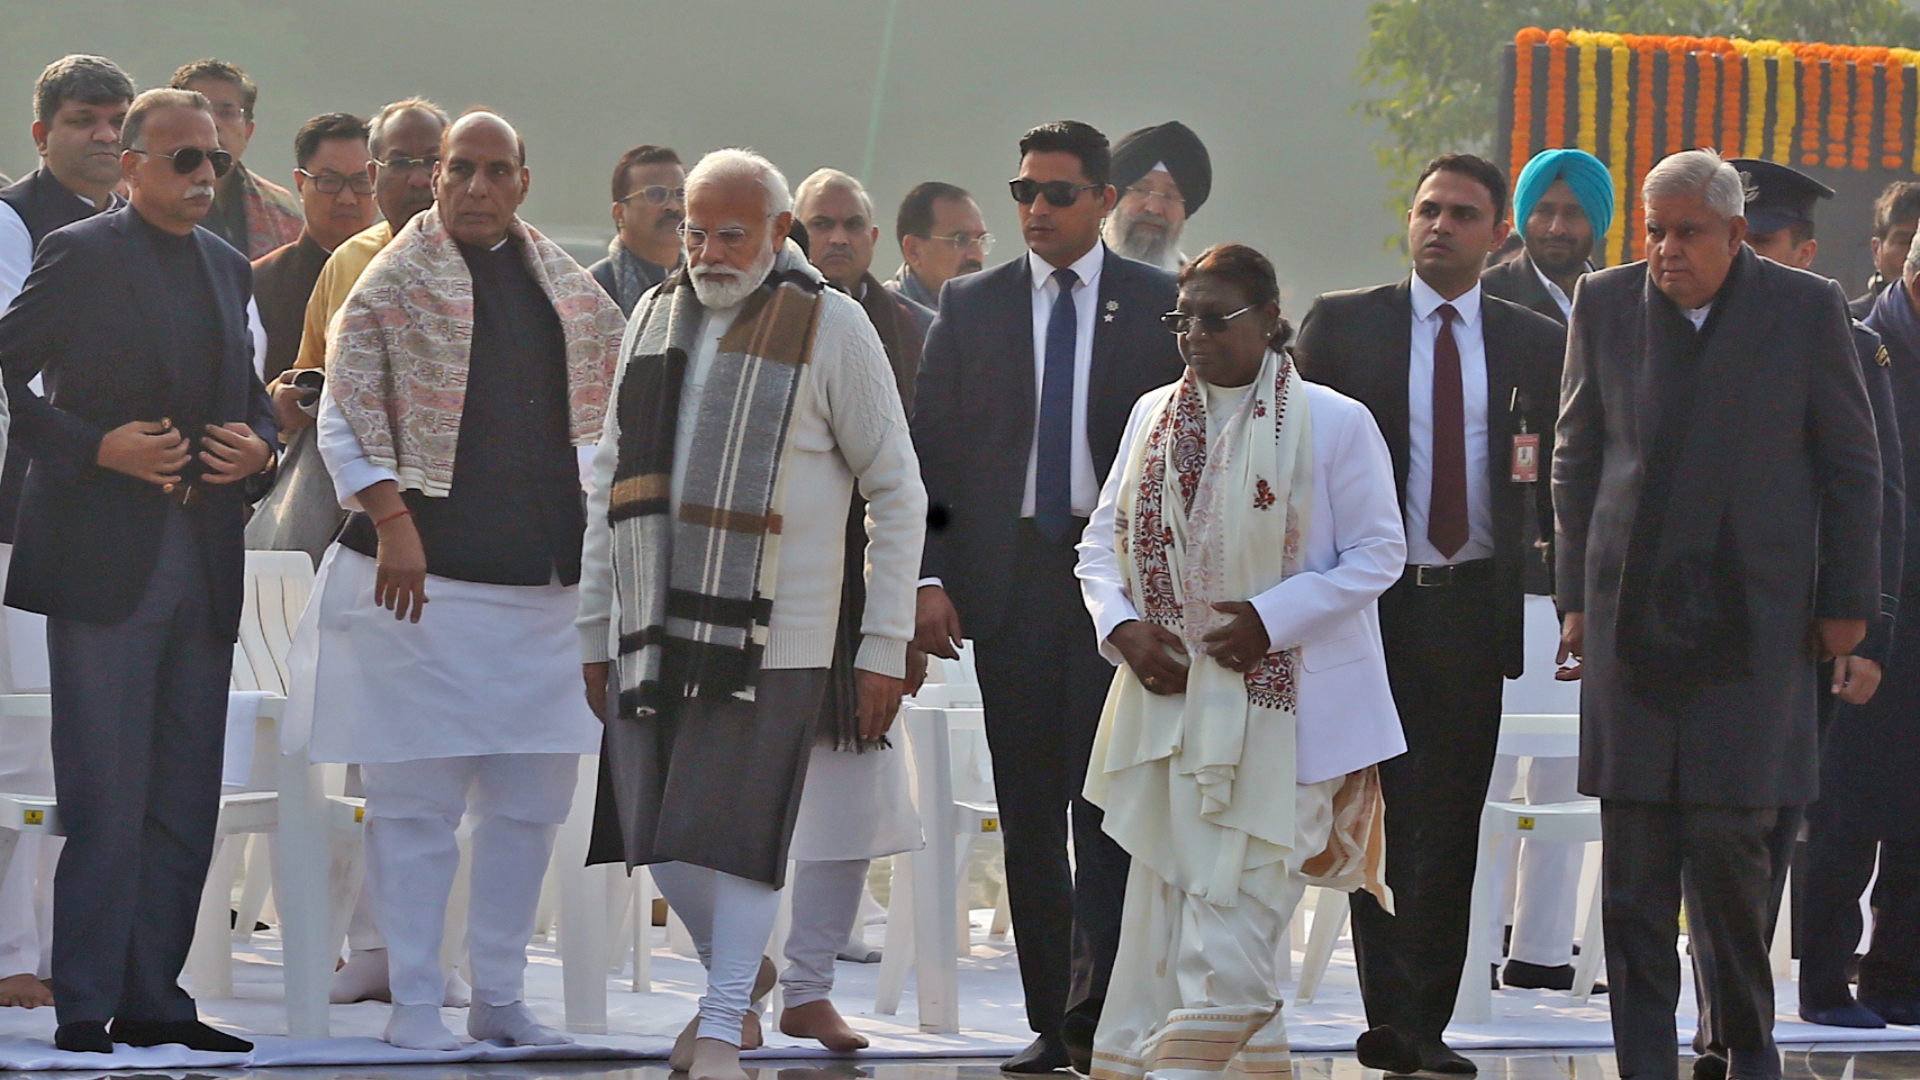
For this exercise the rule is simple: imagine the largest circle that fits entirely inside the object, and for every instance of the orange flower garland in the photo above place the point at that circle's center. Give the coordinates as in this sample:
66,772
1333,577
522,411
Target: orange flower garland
1556,125
1643,114
1523,43
1810,71
1707,109
1730,82
1838,112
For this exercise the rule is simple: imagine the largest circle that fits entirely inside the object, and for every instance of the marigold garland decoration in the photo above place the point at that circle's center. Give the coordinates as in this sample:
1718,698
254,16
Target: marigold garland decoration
1802,103
1556,125
1523,44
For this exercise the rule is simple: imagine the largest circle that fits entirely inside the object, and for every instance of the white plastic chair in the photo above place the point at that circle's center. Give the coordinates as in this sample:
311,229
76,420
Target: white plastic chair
923,925
1330,912
1572,822
598,907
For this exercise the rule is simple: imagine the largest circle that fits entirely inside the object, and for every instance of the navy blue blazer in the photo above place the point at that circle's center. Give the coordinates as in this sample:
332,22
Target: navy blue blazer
975,411
91,320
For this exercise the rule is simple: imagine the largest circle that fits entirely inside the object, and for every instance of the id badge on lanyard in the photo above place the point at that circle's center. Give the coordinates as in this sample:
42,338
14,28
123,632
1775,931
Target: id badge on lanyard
1525,467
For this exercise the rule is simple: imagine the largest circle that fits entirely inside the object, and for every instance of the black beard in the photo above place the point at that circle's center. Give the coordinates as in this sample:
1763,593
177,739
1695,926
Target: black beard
1574,263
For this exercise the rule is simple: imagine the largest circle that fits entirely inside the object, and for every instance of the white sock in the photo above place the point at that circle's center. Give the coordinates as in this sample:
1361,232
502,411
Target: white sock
512,1024
459,994
419,1027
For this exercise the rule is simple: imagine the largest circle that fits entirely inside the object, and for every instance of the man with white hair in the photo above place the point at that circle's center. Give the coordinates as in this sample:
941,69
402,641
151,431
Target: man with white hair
1706,557
470,359
1164,175
749,400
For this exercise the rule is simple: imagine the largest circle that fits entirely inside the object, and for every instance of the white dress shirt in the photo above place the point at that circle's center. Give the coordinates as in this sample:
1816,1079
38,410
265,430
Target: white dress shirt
1473,386
1554,290
1086,297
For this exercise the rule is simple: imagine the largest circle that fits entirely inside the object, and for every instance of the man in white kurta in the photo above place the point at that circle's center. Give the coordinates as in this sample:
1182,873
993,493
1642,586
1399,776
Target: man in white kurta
1220,856
471,358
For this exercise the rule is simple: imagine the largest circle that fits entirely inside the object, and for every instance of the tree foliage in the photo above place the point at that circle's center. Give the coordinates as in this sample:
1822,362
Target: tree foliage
1439,61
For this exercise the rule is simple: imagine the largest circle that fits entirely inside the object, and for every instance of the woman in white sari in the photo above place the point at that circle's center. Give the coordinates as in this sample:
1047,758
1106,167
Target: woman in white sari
1231,569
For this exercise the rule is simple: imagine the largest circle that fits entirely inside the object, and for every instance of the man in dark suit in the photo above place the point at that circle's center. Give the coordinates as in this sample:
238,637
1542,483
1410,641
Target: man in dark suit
1896,214
1030,371
1718,491
1463,386
141,450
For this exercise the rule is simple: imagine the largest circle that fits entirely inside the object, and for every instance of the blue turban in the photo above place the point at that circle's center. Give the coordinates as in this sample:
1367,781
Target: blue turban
1584,173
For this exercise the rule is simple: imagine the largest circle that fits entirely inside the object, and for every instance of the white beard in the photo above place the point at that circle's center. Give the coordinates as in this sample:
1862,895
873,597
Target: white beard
719,289
1146,245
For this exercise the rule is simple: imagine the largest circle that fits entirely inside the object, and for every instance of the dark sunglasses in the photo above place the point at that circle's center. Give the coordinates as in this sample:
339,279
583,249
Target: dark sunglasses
188,159
1061,193
1181,322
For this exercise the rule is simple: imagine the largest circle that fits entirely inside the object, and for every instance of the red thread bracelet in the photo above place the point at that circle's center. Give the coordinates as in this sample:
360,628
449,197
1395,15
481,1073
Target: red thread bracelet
395,516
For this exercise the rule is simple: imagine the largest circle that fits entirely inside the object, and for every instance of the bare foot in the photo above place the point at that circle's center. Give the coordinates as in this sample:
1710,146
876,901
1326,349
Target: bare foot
715,1060
751,1037
24,991
820,1021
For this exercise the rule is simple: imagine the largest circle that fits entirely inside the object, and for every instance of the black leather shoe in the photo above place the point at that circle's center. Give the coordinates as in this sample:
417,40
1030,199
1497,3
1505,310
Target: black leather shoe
1709,1067
1045,1054
1443,1060
191,1034
83,1037
1386,1049
1902,1013
1076,1034
1527,976
1845,1016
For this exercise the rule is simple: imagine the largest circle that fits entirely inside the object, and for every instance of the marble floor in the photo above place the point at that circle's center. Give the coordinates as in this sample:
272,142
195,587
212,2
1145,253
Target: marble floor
1801,1064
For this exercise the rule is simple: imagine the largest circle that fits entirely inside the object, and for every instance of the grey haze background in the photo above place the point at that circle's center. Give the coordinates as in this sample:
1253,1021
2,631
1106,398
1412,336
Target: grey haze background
1268,84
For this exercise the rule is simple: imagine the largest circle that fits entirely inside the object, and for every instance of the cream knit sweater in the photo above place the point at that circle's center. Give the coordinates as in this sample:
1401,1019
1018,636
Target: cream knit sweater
847,425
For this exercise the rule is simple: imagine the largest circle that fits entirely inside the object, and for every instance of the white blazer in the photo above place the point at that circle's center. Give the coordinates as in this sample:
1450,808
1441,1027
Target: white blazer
1355,549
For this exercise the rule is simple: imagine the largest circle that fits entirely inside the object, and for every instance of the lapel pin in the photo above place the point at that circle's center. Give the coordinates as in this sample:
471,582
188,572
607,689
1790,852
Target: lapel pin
1113,305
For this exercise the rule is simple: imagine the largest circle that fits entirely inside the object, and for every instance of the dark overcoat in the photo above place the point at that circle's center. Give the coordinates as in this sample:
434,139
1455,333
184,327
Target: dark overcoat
1804,496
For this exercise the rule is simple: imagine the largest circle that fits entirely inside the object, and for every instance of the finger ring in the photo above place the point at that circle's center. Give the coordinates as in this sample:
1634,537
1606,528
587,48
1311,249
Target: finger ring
1149,680
1233,660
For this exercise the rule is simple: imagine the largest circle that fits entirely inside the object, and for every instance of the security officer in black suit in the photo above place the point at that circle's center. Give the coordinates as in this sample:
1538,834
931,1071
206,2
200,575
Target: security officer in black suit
151,435
1029,373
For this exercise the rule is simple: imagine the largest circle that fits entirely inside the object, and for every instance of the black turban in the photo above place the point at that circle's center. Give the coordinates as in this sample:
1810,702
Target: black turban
1174,145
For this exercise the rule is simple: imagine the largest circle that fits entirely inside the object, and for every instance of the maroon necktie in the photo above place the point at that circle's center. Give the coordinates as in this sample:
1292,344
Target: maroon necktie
1447,509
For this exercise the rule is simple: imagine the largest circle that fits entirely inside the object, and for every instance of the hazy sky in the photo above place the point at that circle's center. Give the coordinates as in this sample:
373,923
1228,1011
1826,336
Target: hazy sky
1268,84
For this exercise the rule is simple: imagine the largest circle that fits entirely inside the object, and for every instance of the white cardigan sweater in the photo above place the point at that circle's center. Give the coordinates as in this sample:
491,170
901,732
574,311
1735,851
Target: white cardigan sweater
847,424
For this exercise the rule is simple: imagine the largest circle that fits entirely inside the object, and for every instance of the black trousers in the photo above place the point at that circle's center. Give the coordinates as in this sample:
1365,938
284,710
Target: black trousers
1445,672
1782,840
1722,855
1043,683
1836,872
139,723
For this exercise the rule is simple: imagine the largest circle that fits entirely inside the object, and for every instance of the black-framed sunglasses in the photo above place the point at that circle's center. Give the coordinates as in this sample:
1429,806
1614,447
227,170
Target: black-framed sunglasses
659,195
331,183
1060,193
188,159
1181,322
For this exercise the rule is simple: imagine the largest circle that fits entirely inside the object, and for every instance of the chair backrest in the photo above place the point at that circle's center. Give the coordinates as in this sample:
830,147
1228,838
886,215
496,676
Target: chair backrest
278,584
971,762
932,760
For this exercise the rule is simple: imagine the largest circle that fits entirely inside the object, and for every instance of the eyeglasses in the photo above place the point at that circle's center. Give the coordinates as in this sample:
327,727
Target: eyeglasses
1061,193
961,241
233,112
400,164
330,183
1182,322
659,195
1148,195
188,159
733,237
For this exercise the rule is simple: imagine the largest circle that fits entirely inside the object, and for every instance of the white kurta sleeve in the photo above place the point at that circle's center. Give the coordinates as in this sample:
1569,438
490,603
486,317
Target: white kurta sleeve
870,430
16,254
1102,585
257,333
1369,534
595,621
346,461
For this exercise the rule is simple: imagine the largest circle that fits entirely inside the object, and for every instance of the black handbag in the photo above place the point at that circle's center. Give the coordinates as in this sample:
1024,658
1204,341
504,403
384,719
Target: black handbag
301,513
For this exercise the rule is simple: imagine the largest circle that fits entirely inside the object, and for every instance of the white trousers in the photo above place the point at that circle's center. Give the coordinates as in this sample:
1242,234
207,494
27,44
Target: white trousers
1195,993
826,903
413,811
730,919
1546,887
26,768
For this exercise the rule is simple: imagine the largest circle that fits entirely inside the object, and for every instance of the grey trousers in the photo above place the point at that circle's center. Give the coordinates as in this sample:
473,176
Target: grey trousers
139,722
1721,852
